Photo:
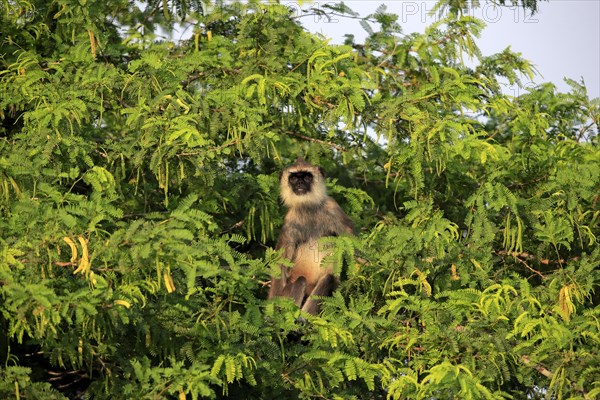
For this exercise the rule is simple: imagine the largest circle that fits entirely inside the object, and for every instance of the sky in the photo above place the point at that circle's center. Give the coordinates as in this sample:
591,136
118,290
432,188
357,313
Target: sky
562,39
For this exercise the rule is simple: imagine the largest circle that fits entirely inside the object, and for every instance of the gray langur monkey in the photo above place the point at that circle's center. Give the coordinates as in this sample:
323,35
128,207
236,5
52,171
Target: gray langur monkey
311,215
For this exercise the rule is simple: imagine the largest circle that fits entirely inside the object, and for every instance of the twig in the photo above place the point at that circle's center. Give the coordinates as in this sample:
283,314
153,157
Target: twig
65,264
335,146
549,374
529,268
390,55
234,226
528,256
583,130
193,78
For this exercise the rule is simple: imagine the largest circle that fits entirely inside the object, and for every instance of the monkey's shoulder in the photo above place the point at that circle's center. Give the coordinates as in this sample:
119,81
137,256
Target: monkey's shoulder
339,219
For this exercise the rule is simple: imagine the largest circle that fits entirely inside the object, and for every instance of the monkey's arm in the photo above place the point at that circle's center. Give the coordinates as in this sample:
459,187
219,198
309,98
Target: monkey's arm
287,243
338,219
278,285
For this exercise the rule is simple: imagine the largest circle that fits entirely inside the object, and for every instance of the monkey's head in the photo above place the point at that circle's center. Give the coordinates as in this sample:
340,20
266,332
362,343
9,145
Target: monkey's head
302,184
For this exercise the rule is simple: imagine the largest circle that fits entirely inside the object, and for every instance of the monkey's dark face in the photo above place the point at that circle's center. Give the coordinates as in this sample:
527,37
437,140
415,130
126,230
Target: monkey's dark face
301,182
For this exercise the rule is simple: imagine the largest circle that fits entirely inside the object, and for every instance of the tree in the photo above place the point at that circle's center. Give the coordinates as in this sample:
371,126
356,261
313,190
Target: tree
139,209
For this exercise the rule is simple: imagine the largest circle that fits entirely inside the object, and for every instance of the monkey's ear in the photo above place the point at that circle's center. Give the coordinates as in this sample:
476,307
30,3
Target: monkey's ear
322,171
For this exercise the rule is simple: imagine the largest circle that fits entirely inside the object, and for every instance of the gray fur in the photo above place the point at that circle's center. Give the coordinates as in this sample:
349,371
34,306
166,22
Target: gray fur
310,216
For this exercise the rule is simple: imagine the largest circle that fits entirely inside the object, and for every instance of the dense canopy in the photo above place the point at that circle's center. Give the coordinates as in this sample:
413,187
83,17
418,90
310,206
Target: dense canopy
139,207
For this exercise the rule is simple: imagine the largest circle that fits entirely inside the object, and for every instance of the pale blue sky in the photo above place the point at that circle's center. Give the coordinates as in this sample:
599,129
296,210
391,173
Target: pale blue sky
562,39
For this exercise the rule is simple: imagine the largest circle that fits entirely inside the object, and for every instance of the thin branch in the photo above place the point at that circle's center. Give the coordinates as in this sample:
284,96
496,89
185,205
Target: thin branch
329,15
193,78
549,374
232,227
583,130
544,261
65,263
529,268
233,142
333,145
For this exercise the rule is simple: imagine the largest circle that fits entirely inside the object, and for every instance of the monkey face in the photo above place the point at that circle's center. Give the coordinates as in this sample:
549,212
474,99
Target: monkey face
301,182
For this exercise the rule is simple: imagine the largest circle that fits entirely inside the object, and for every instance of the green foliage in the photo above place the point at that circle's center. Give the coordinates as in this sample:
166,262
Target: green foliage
139,208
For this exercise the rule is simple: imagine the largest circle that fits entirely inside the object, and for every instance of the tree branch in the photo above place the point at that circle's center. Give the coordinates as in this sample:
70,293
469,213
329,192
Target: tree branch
330,144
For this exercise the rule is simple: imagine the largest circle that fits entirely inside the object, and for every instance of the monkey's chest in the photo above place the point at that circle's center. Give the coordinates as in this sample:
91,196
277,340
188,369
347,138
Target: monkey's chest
308,262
